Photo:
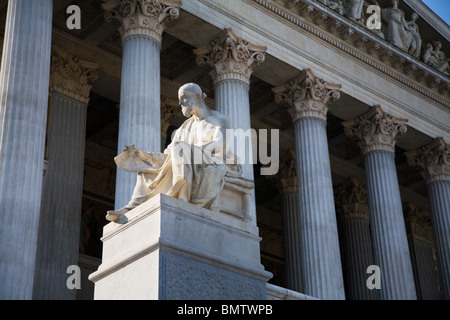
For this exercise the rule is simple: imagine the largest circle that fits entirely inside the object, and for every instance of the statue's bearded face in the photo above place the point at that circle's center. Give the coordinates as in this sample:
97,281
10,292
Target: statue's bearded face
188,102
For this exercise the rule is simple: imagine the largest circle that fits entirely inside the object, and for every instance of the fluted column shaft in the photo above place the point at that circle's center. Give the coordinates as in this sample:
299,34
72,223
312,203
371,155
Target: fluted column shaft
59,227
292,241
24,81
388,227
376,132
140,112
439,198
321,260
434,160
358,256
141,26
232,99
306,99
356,239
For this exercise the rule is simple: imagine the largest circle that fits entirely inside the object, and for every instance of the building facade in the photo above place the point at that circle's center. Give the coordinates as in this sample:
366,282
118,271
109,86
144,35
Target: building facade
358,92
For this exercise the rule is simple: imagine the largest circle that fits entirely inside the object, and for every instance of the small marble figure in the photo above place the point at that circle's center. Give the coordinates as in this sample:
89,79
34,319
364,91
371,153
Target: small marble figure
436,58
397,30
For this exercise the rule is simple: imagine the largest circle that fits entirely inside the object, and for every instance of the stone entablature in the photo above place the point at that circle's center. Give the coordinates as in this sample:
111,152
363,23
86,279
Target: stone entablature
363,44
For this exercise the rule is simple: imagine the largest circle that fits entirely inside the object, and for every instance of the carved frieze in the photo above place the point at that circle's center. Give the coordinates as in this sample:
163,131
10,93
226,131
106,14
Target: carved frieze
433,159
231,57
394,62
71,75
375,130
141,17
307,96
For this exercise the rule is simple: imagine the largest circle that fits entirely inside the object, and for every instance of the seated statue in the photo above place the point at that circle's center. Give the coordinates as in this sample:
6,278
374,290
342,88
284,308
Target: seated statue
193,167
436,58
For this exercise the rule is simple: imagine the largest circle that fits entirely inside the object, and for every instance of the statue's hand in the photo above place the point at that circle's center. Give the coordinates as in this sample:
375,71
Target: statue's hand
129,148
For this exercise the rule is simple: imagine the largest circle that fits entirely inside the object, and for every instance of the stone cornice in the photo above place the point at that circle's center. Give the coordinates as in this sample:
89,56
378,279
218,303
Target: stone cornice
362,44
433,159
231,57
142,17
71,76
307,96
375,130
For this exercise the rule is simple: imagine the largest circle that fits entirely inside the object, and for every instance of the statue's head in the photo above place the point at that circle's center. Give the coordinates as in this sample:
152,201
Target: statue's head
395,3
191,97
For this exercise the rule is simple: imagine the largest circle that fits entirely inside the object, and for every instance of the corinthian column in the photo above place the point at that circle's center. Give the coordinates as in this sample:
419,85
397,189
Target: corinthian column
306,98
434,160
59,224
24,77
287,183
376,133
357,242
232,60
141,26
421,244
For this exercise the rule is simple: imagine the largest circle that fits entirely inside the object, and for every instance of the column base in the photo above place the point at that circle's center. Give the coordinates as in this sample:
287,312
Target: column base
167,251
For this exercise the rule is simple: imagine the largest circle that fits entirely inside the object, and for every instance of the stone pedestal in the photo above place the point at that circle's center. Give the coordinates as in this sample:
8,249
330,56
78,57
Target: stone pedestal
169,250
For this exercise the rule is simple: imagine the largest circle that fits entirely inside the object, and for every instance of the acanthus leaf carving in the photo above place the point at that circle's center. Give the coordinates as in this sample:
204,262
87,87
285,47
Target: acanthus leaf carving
71,75
375,130
433,159
307,95
144,17
230,57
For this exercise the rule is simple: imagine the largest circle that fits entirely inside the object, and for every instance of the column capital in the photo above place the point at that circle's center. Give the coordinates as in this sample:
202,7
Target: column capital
375,130
231,57
307,95
71,75
170,108
433,159
420,221
352,196
142,17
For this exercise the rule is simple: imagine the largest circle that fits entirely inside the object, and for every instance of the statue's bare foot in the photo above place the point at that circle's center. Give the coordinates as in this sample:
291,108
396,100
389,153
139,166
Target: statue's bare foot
115,215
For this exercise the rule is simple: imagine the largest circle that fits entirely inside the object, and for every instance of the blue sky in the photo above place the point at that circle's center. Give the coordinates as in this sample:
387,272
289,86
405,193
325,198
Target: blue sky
440,7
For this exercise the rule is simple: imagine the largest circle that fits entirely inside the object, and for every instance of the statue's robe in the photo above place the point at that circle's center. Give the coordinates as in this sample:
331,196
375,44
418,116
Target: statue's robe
185,171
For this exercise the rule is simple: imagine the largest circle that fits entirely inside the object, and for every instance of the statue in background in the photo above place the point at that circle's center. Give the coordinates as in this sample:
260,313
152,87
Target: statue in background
397,30
192,167
354,10
436,59
416,40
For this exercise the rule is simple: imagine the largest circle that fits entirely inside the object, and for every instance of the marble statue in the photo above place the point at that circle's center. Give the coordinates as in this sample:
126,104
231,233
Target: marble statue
354,9
437,59
397,30
193,167
416,39
334,5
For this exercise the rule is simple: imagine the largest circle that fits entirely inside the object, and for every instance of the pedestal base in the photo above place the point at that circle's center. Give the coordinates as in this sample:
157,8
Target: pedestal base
167,250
